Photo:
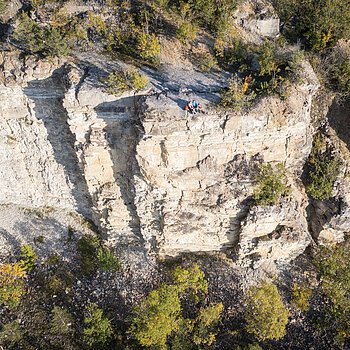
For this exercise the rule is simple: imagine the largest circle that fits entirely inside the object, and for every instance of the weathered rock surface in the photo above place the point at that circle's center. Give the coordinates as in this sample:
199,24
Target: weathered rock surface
199,170
146,173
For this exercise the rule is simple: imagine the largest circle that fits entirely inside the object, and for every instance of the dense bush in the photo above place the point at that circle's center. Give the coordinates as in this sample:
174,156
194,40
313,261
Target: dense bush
11,334
334,267
271,184
335,67
36,38
94,256
206,13
28,257
126,80
266,315
160,317
319,22
205,61
301,295
323,170
186,32
98,328
87,247
107,261
61,323
267,70
239,94
12,285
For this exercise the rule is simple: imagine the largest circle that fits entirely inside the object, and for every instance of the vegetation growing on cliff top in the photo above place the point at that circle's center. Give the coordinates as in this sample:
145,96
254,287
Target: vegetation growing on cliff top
126,80
321,23
266,70
323,169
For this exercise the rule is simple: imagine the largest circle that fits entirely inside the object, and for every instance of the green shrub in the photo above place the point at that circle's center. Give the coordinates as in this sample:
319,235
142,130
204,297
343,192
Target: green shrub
301,295
53,260
160,317
98,328
61,323
239,94
206,13
148,46
11,334
341,75
323,170
319,22
3,5
276,69
206,61
87,247
36,38
271,184
192,279
207,318
107,261
266,315
269,68
336,69
129,80
334,266
186,32
94,256
28,257
38,240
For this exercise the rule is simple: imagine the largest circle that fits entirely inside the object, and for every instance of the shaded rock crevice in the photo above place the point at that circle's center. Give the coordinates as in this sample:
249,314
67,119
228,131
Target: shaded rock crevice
46,105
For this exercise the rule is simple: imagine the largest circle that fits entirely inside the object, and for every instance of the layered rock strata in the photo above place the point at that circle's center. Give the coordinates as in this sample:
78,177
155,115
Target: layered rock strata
144,171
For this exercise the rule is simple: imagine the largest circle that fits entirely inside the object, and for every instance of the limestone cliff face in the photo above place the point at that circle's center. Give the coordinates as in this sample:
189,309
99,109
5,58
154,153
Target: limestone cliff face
146,173
198,173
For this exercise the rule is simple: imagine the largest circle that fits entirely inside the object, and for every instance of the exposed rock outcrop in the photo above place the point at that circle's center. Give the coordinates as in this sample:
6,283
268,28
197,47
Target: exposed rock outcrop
145,172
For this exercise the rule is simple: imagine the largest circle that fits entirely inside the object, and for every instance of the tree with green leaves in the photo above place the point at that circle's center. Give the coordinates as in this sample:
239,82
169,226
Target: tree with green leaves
28,257
266,316
160,317
98,328
130,79
323,170
11,334
271,184
321,23
333,263
157,317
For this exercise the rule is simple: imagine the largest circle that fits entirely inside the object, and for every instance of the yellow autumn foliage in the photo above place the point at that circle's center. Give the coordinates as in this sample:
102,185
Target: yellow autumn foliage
11,283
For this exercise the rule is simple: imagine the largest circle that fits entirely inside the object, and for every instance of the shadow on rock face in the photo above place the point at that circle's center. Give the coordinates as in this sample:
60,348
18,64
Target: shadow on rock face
123,132
339,119
47,96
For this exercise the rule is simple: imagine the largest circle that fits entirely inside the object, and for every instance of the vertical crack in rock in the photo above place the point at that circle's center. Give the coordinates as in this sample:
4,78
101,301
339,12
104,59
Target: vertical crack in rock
47,96
123,134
